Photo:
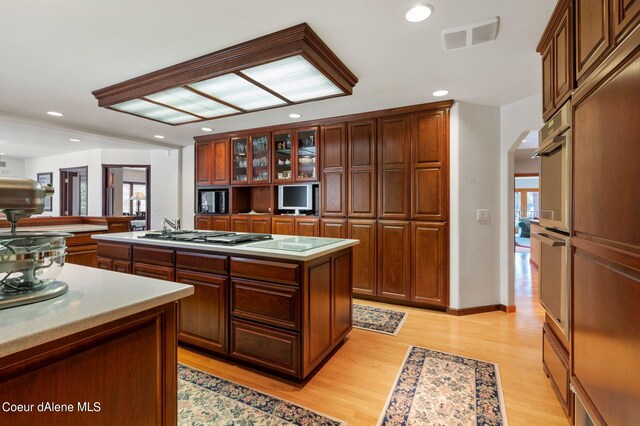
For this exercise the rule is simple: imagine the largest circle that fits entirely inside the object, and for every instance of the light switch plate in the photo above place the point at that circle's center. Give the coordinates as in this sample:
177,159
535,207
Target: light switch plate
482,215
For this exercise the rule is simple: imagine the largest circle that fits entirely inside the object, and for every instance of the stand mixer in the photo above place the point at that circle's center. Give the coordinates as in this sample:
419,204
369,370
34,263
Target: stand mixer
29,261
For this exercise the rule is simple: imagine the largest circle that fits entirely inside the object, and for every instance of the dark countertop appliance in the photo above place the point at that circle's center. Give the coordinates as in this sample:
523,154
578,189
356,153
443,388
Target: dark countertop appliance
213,237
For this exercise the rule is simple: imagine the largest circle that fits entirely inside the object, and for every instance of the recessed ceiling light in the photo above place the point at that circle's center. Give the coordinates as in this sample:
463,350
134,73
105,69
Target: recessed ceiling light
159,137
419,13
439,93
207,129
295,115
55,114
74,140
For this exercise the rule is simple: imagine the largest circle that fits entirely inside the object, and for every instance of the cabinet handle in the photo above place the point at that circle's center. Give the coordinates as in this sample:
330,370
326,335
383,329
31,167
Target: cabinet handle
548,240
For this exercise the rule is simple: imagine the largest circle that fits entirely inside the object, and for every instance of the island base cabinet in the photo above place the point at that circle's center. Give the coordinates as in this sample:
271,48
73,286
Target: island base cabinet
92,371
202,317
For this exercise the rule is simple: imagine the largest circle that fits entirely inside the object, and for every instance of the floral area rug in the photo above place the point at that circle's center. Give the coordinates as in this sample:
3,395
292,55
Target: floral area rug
204,399
381,320
436,388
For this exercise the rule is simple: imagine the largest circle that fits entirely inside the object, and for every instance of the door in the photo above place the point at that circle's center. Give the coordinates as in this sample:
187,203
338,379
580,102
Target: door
69,186
283,225
241,158
334,166
394,274
364,256
362,169
203,163
429,263
220,162
394,178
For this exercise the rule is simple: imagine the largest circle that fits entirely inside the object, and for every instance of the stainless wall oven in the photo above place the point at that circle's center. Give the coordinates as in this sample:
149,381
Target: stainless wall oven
555,215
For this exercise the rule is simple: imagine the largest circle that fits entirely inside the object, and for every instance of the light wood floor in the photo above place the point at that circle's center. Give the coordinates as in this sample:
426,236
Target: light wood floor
353,385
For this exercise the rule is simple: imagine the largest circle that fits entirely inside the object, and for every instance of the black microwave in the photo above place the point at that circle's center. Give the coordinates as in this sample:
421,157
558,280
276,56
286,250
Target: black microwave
212,201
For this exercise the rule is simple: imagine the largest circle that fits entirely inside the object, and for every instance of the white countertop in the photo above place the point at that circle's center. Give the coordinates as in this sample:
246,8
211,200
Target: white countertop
95,297
61,228
246,248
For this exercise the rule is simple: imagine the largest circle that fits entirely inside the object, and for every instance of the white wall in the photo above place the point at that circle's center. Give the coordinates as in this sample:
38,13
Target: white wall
516,120
14,168
187,192
165,184
474,158
532,165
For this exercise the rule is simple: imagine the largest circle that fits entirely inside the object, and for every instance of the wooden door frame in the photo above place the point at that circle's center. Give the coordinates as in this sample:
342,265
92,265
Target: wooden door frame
64,185
105,167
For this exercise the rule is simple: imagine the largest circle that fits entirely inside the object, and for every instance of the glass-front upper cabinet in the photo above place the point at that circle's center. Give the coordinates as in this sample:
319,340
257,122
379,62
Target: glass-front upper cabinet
240,152
282,156
306,153
260,151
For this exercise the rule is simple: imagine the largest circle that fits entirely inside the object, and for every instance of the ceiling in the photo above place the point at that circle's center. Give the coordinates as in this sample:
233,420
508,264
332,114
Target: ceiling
56,53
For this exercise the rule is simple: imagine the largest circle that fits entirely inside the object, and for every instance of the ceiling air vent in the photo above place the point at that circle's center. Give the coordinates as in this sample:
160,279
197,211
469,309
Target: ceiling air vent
471,35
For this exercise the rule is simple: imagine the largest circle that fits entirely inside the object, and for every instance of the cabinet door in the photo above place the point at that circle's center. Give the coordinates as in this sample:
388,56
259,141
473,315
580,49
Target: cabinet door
307,227
361,185
203,163
563,59
364,256
306,155
394,274
283,225
240,224
592,33
261,224
334,166
240,160
153,271
282,157
626,14
220,162
430,171
220,223
429,263
105,263
394,157
547,81
123,266
260,154
333,228
203,317
203,222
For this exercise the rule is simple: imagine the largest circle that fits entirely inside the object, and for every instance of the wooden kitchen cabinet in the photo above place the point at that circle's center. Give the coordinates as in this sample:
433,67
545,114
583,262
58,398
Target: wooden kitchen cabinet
333,228
334,170
250,159
212,162
558,70
394,176
283,225
429,167
361,184
364,256
260,224
220,223
153,271
394,257
203,316
307,227
626,16
429,263
240,223
202,222
295,155
592,34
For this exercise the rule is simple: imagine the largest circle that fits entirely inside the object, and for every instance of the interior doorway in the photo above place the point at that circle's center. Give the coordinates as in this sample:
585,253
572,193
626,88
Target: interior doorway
526,208
126,191
74,197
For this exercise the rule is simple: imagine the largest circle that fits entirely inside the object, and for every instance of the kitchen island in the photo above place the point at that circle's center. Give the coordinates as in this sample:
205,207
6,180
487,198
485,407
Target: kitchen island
282,304
103,353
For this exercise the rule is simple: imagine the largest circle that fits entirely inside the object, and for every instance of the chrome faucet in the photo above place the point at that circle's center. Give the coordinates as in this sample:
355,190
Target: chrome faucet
174,224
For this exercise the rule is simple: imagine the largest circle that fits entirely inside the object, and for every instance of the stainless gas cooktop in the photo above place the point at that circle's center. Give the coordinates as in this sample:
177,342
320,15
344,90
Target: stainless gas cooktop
213,237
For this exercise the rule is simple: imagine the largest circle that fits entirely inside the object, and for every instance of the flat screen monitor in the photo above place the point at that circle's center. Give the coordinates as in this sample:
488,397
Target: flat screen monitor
295,197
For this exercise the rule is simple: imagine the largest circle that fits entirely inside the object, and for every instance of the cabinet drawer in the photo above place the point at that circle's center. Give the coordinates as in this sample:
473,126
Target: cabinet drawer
154,256
153,271
556,365
288,273
202,262
114,251
123,266
272,304
266,346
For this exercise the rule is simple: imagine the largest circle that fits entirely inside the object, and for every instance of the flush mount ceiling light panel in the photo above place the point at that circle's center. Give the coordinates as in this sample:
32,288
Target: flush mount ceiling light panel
284,68
471,35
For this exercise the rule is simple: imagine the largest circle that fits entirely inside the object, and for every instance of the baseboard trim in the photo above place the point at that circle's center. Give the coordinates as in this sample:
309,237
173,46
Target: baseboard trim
508,308
473,310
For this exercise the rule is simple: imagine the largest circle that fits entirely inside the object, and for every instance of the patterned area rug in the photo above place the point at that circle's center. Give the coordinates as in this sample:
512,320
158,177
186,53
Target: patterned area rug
204,399
436,388
376,319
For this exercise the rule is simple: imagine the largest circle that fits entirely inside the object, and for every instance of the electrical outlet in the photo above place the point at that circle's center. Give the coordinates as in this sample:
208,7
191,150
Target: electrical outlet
482,215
